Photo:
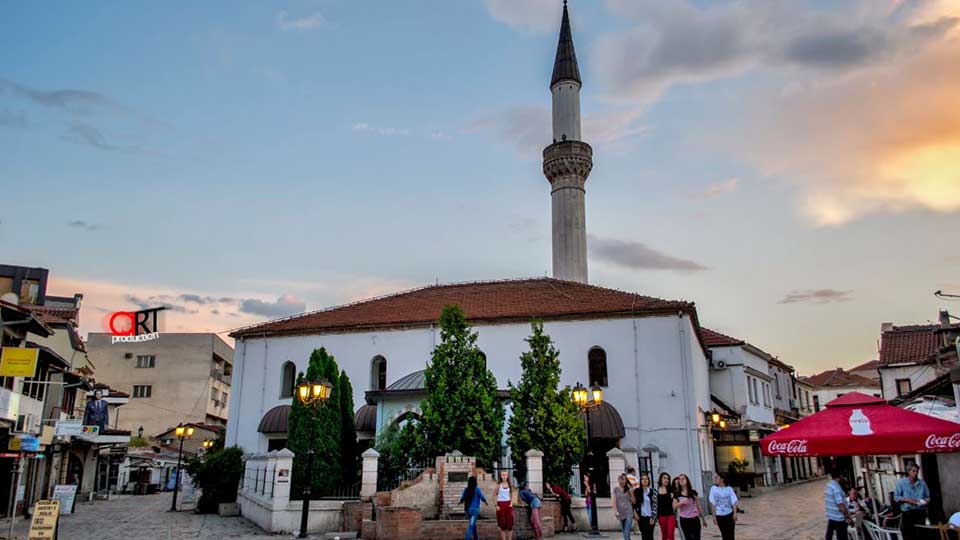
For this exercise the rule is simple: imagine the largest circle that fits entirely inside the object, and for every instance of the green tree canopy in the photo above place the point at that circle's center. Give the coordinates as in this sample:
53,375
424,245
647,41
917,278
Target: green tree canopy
349,448
316,426
544,418
461,410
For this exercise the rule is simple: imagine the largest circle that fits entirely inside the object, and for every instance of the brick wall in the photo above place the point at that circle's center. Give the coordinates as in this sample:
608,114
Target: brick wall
354,512
395,523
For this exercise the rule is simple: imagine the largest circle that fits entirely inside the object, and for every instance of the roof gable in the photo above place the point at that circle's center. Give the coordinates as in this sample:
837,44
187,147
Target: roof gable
909,344
840,378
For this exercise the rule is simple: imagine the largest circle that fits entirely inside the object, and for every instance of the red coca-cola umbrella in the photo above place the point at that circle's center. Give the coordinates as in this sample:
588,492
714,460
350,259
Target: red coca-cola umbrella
856,424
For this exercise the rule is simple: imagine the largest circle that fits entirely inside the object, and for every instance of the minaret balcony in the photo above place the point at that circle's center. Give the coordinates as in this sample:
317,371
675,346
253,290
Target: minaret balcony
565,159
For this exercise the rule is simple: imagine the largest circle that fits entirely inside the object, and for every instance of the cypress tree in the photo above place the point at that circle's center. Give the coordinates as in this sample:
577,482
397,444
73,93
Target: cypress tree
544,418
461,410
349,454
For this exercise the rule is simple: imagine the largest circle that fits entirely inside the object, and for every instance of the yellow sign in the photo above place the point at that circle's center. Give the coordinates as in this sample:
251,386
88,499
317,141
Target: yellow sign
44,524
14,443
18,362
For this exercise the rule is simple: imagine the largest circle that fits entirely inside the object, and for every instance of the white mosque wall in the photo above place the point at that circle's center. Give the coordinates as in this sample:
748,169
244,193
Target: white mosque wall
657,373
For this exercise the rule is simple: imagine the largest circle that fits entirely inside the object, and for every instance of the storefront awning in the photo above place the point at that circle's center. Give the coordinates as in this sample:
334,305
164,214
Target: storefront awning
605,422
366,418
275,421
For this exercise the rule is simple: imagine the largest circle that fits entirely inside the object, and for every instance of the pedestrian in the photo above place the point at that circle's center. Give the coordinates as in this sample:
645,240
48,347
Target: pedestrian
645,502
623,505
531,500
687,505
665,514
913,495
835,506
723,499
505,514
588,488
569,524
632,478
471,499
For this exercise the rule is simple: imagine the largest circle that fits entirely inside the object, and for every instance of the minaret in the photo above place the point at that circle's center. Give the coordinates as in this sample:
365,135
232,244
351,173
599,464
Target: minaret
567,163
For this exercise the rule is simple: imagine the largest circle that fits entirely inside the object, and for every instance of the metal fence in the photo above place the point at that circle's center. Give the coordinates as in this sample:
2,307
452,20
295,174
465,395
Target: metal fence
258,479
390,477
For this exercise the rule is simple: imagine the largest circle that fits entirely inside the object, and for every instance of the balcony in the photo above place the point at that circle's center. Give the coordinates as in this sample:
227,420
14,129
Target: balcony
218,375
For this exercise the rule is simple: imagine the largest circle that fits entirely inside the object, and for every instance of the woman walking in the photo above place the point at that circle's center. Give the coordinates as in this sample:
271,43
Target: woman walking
623,505
668,521
645,502
471,499
723,499
588,488
505,514
687,505
531,499
569,524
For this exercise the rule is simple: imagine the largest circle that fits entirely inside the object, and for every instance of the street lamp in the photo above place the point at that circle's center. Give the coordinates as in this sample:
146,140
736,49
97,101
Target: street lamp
310,393
715,417
207,444
586,400
182,432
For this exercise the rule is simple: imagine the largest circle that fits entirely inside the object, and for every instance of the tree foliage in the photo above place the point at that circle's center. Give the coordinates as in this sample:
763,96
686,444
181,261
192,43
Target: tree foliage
217,473
349,448
461,410
544,418
317,426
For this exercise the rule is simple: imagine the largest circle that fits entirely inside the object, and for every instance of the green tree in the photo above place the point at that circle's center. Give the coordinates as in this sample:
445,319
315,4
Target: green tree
397,446
316,426
217,473
461,410
544,418
349,448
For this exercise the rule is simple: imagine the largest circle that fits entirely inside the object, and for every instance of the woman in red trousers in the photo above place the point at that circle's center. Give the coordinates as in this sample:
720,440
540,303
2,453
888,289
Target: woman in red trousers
665,515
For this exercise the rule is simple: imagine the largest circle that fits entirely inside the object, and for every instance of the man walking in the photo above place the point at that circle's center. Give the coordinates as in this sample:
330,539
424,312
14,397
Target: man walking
835,504
913,495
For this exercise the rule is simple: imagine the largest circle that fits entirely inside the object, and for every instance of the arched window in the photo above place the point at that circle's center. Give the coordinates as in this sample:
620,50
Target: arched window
378,373
597,364
288,379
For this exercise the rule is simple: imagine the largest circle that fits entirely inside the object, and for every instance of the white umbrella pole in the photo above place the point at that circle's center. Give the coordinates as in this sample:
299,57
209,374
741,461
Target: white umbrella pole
873,498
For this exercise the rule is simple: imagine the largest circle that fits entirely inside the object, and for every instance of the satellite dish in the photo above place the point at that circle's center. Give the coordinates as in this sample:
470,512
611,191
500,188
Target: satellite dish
721,364
11,298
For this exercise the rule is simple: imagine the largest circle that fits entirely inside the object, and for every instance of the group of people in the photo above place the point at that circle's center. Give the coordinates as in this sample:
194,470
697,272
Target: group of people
671,502
472,498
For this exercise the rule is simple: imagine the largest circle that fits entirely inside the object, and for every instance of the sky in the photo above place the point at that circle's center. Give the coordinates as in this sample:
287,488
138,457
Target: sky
793,167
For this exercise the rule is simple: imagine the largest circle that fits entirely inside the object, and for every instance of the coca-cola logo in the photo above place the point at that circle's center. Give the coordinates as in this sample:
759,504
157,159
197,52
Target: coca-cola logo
934,442
794,446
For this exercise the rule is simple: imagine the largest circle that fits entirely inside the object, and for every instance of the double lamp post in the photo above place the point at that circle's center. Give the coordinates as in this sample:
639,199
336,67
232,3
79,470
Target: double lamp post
310,393
587,399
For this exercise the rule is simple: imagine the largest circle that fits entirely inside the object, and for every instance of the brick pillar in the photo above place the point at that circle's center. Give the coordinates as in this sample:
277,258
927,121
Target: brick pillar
618,465
535,471
368,473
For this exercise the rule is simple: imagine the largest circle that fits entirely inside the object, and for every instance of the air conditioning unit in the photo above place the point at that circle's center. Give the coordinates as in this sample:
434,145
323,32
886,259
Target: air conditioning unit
720,364
794,404
24,423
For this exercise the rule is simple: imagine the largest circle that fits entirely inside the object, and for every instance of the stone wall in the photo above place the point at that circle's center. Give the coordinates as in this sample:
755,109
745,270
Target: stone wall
420,494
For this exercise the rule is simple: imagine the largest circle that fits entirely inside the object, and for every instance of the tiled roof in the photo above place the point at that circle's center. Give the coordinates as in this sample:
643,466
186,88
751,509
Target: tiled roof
910,344
871,365
840,378
54,315
414,381
508,300
715,339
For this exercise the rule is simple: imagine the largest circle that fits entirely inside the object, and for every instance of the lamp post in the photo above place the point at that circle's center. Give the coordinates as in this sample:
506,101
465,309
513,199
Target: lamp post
183,432
207,444
586,400
310,393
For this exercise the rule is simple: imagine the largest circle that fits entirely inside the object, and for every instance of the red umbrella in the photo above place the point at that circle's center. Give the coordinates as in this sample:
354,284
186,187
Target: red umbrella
856,424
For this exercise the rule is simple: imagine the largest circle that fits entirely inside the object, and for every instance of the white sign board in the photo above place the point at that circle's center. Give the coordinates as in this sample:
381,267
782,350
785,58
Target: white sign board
68,428
66,495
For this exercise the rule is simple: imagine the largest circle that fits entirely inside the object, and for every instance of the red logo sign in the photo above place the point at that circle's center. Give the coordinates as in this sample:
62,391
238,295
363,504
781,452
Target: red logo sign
943,443
134,326
795,446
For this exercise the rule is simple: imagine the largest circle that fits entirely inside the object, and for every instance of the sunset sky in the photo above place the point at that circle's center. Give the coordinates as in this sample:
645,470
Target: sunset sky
791,166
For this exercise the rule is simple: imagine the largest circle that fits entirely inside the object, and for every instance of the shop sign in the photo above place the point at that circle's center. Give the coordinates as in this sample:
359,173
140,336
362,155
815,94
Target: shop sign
18,362
66,494
44,524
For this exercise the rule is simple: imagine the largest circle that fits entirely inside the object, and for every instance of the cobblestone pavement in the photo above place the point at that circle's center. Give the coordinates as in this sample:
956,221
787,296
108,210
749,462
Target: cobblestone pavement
790,513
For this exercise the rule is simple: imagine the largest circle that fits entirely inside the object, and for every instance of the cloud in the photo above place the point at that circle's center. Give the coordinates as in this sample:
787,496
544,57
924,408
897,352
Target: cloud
285,305
636,255
384,131
816,296
530,15
76,101
84,225
80,133
307,22
13,119
716,188
155,302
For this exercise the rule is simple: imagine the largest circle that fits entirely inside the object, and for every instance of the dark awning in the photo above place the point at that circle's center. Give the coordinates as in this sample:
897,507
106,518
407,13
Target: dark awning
49,356
275,421
605,422
366,418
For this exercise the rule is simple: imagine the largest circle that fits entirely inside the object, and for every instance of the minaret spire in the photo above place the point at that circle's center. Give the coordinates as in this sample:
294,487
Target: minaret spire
567,162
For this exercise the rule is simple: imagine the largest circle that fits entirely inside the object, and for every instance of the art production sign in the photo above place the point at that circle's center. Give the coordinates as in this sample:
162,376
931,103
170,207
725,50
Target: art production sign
44,524
18,362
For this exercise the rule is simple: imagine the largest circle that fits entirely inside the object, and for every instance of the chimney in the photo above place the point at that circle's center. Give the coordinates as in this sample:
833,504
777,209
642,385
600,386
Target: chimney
944,318
886,327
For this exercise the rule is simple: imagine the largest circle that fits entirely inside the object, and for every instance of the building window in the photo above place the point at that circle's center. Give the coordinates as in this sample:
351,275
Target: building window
776,381
214,394
142,390
597,366
288,379
766,394
146,361
903,387
816,403
808,398
378,373
750,388
226,399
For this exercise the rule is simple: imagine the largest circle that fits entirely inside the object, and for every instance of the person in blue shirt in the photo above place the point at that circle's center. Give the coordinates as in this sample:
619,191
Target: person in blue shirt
471,499
530,499
913,495
835,504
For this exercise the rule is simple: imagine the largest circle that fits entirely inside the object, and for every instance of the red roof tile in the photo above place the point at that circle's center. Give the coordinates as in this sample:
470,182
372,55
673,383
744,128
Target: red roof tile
53,315
519,299
715,339
910,344
840,378
871,365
